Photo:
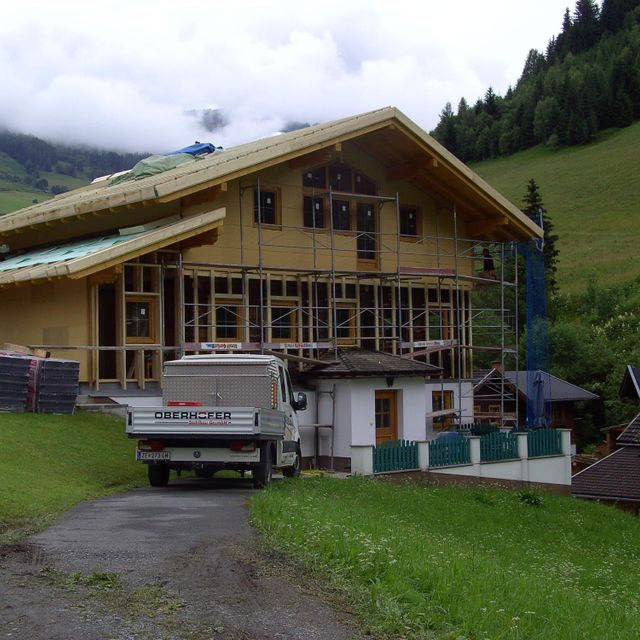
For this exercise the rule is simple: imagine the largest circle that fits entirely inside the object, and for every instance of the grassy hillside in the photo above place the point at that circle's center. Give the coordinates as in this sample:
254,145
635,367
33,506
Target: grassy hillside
50,462
15,195
452,563
592,195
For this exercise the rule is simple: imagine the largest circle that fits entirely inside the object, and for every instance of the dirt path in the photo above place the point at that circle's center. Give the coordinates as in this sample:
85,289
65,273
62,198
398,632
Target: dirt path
180,563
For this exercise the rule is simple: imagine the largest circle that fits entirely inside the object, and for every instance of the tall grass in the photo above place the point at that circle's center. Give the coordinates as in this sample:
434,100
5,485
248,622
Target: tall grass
451,563
48,463
591,193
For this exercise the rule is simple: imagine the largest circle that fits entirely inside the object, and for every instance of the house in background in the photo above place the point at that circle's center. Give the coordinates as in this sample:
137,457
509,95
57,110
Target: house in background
360,233
507,398
615,479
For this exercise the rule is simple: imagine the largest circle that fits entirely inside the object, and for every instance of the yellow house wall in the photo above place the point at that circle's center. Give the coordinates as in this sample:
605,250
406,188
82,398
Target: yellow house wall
51,313
292,247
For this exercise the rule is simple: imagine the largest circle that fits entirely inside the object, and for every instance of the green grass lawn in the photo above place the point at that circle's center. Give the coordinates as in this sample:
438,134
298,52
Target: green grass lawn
591,194
48,463
452,563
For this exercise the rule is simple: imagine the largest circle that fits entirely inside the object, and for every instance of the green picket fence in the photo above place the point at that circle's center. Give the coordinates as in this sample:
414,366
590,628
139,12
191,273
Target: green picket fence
395,455
498,446
478,429
446,452
544,442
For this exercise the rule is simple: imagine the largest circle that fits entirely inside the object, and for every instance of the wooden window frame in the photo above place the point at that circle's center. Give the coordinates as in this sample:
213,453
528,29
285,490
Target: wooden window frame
323,212
352,194
292,307
230,302
277,194
351,338
152,320
368,262
406,209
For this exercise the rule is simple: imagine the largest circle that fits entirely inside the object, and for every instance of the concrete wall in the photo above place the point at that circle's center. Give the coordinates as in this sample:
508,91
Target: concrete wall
552,470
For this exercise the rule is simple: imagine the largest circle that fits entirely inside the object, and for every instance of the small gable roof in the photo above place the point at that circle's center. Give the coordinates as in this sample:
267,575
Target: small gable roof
616,477
555,389
405,150
630,385
362,363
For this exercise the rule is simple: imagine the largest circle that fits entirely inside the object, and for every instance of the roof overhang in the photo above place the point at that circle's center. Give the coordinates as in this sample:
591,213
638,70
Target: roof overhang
407,152
75,261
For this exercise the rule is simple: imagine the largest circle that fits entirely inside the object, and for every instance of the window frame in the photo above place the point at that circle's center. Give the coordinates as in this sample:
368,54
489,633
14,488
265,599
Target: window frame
229,302
292,307
405,209
152,301
277,209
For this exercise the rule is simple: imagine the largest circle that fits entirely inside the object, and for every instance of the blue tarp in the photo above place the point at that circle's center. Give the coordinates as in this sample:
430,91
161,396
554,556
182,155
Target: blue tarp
197,149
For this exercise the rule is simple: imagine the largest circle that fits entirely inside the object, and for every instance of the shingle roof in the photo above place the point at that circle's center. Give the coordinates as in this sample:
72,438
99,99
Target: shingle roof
615,477
631,435
630,385
555,389
360,363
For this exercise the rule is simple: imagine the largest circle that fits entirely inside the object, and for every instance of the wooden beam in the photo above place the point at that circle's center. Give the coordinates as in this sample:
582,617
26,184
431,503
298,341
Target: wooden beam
207,238
409,169
486,227
321,156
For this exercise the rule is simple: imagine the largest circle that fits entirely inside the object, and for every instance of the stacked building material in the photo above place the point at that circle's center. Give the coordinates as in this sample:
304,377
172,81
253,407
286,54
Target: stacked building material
57,385
14,382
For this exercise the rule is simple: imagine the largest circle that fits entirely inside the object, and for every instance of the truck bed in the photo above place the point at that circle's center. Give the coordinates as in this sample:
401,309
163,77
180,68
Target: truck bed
215,422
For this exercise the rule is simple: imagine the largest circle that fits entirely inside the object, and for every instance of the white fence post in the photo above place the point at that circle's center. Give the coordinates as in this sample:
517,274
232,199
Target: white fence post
423,454
523,445
474,442
362,460
565,439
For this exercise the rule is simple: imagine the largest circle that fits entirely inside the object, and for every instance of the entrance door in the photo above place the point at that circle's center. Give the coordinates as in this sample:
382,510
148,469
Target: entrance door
386,416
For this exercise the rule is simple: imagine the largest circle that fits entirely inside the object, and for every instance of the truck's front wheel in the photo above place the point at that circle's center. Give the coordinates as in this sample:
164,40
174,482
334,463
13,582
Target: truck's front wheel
294,470
263,472
159,475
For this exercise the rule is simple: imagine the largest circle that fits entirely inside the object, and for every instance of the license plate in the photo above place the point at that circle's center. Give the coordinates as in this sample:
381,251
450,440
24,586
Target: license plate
153,455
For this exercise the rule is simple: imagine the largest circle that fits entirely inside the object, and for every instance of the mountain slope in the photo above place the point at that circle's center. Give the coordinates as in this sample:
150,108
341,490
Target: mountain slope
592,195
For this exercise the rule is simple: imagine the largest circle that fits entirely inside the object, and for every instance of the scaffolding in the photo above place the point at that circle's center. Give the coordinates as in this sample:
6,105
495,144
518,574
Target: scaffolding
424,313
359,285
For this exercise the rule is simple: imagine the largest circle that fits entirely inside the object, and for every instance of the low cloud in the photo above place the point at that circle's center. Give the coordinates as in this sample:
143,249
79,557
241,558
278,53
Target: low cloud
137,75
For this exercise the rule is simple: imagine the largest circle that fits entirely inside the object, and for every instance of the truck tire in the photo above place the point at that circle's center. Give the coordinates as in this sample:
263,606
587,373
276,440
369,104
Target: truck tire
294,470
263,472
158,475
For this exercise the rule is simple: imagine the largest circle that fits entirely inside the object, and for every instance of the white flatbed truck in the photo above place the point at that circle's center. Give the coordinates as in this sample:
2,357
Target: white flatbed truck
221,412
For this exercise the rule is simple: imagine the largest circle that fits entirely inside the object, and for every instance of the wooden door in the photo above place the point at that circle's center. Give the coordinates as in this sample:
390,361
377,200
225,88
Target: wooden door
386,416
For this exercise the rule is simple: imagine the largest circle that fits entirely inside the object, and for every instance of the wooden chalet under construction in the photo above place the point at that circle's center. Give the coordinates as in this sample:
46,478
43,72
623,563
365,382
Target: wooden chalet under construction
362,232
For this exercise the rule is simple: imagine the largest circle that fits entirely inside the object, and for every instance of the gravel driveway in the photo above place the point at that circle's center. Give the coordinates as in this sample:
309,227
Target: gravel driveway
180,562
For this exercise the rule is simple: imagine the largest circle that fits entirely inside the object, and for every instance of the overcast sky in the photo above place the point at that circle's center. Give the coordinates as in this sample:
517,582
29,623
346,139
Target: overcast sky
125,74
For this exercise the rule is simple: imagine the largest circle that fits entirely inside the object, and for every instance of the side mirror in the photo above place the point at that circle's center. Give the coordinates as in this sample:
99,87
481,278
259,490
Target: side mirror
300,403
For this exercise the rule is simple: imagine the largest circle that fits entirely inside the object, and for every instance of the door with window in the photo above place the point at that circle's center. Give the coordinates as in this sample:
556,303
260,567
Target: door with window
386,416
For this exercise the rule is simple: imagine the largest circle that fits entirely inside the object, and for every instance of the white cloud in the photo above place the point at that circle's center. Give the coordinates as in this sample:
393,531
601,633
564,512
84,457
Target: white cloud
125,77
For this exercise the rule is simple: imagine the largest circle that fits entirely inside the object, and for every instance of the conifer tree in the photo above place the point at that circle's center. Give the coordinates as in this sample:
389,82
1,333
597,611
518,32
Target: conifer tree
534,208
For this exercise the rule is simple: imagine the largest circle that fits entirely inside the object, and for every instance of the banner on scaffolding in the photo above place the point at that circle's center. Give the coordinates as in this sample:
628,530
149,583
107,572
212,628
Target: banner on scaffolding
430,344
253,346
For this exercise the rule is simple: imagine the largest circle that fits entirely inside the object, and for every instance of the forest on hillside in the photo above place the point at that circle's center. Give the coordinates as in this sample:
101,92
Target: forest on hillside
36,156
587,80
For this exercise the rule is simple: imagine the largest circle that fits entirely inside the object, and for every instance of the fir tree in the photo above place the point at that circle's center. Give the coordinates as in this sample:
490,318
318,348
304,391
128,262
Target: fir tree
534,208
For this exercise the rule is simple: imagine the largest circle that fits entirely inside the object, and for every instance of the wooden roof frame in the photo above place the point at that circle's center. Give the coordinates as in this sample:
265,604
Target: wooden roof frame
451,179
157,238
